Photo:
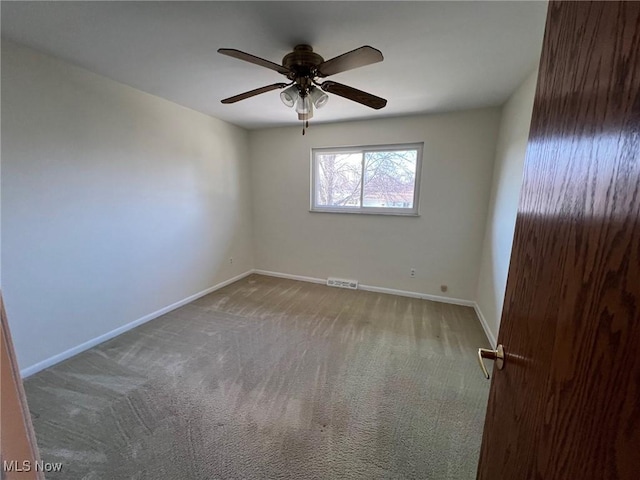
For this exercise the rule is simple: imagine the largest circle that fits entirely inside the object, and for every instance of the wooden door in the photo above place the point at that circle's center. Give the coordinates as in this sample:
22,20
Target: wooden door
567,403
18,450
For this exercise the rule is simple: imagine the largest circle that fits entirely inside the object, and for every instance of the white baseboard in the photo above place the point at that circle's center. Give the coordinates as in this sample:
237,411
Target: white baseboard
485,326
26,372
423,296
371,288
290,276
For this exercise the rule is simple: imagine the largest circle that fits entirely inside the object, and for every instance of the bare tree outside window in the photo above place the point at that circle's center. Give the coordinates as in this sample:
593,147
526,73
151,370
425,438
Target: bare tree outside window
367,180
339,179
389,178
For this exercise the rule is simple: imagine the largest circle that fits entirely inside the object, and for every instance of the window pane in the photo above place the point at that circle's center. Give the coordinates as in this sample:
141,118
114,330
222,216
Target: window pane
338,177
389,178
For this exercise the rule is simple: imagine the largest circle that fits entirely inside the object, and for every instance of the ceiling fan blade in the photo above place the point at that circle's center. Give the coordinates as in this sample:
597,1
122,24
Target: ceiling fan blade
247,57
354,94
252,93
348,61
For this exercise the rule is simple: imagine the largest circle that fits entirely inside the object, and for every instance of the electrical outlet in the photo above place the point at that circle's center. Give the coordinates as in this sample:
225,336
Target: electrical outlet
231,260
412,273
443,288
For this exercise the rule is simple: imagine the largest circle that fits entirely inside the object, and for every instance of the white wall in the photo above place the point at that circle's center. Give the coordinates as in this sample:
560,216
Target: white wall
503,205
115,203
443,244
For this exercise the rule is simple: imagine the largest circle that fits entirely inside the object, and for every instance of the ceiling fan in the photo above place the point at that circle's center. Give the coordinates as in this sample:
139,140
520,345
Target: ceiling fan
303,68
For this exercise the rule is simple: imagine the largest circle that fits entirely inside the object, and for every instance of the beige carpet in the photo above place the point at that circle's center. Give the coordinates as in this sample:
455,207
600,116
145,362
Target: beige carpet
272,379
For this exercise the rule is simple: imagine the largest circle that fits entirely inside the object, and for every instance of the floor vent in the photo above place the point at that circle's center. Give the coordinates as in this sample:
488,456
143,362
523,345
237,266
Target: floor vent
342,283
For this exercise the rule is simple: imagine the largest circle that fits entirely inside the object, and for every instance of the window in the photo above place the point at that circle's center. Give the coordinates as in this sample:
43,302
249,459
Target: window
381,179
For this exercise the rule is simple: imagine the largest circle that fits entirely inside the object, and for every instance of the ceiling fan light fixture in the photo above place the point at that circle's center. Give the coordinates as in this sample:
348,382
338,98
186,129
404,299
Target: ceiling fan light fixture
290,96
318,97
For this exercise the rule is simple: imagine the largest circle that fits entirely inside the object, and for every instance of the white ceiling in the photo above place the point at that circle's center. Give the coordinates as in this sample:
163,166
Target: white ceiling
439,56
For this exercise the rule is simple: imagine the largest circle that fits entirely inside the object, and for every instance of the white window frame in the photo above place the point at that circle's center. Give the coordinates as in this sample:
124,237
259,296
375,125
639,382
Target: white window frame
405,212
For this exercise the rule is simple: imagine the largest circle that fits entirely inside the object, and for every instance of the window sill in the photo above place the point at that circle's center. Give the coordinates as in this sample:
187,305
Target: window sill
360,212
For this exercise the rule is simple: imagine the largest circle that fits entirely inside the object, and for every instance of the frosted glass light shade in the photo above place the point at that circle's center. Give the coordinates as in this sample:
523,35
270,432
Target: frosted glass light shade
304,107
318,97
290,96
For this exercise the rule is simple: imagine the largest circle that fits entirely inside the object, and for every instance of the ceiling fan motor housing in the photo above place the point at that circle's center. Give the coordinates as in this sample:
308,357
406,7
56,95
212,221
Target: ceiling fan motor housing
303,63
